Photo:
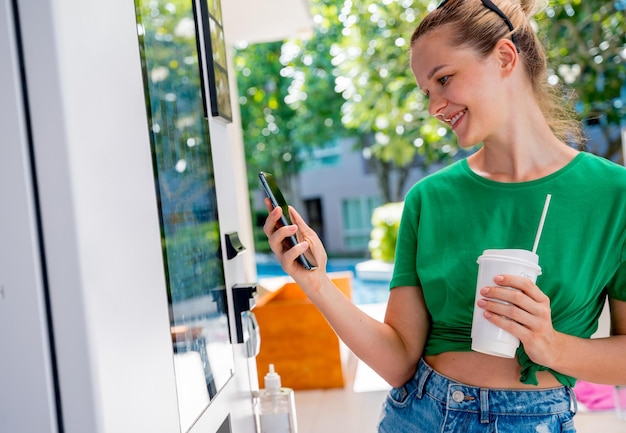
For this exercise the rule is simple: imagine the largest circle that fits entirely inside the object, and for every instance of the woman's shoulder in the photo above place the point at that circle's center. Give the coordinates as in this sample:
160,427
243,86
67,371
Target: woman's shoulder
599,170
600,175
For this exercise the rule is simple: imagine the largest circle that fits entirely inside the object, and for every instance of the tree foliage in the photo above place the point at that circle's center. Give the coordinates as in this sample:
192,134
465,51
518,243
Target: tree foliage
586,43
382,100
268,122
288,100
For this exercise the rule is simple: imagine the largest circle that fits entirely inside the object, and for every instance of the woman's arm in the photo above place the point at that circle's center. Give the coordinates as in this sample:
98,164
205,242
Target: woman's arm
392,348
597,360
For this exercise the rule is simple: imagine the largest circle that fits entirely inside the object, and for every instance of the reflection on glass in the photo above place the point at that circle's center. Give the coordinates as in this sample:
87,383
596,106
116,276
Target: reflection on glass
215,9
185,186
218,44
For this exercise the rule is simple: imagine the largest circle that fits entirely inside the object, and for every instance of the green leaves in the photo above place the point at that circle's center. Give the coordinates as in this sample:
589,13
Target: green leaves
381,96
384,236
588,53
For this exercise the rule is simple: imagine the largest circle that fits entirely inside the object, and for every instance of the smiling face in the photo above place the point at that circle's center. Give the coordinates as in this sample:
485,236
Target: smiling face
464,90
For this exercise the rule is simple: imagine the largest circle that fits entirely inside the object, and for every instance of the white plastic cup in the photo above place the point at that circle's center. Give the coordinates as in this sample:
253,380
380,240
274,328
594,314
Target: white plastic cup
487,337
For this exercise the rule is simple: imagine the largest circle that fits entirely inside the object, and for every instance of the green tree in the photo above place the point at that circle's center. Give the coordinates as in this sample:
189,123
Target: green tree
382,99
587,48
268,122
287,99
314,96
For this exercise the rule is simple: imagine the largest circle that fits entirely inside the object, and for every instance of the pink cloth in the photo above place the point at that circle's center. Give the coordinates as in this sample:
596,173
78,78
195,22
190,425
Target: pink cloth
594,396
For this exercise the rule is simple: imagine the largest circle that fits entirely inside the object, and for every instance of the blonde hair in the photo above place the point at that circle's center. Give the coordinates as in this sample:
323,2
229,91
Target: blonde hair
471,24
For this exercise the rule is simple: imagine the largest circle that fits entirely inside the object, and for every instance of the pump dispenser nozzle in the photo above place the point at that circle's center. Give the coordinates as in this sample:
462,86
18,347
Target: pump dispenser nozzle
272,379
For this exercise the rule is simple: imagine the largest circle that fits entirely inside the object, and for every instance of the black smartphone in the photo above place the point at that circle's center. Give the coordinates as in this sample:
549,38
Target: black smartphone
278,200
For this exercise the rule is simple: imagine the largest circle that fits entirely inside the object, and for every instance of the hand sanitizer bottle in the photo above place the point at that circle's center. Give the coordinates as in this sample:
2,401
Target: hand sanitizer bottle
274,406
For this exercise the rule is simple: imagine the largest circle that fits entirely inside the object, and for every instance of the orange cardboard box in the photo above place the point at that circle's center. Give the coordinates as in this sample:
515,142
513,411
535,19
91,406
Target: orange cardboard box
296,338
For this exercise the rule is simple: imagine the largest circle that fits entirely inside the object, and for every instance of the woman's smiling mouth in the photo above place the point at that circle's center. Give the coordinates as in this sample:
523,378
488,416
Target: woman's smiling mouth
452,121
456,117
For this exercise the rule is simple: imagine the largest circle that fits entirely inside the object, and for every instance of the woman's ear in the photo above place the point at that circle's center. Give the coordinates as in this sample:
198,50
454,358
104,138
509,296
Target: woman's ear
507,56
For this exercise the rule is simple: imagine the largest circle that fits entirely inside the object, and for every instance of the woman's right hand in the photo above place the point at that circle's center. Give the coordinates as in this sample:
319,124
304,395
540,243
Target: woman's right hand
309,244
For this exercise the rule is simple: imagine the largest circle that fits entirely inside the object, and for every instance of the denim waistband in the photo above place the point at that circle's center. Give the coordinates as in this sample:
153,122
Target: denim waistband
485,401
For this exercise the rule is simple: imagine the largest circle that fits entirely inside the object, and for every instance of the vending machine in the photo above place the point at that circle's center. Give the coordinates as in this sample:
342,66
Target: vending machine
127,277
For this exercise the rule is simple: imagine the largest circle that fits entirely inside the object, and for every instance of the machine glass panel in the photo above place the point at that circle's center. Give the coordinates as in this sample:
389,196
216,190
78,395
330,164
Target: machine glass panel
183,169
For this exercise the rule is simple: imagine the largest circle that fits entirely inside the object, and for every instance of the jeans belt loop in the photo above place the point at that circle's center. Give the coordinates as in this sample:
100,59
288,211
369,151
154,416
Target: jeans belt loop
484,406
422,378
573,403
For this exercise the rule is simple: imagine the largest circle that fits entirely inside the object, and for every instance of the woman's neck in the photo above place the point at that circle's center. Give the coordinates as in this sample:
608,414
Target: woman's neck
519,166
524,150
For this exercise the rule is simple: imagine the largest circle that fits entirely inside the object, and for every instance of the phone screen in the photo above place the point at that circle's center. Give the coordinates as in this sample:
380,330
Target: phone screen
277,199
275,195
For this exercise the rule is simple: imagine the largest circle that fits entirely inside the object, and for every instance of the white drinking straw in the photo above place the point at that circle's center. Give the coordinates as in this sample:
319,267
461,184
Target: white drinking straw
543,219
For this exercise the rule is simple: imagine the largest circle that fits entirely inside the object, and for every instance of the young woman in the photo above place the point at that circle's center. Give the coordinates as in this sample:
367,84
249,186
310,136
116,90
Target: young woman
484,72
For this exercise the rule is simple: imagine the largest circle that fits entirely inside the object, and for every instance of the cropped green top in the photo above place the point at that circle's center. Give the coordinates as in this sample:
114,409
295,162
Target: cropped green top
452,215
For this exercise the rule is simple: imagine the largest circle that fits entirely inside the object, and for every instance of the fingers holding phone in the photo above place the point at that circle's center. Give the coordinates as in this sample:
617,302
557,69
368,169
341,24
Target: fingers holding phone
281,237
279,227
289,244
308,235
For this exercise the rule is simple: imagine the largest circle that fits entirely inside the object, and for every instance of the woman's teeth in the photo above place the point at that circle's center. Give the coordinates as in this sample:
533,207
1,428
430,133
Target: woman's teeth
457,117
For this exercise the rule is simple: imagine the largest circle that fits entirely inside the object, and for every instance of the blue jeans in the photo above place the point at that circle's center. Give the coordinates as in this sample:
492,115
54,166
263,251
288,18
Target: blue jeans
432,403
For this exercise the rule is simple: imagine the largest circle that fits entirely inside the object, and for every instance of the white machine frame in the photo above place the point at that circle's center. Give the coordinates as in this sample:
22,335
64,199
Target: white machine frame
83,306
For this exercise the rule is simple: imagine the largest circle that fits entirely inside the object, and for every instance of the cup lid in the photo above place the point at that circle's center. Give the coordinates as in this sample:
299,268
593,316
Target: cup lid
524,257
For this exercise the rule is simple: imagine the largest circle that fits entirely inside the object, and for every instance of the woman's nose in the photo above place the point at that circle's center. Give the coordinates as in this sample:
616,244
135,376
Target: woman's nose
435,105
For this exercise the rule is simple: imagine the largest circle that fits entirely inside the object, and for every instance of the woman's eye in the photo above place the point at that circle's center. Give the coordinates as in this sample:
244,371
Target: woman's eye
443,80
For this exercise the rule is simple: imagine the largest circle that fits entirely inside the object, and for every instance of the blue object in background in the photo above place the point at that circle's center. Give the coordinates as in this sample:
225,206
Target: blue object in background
363,291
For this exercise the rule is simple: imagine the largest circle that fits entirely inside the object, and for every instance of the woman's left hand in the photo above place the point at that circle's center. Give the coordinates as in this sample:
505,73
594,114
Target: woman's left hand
527,315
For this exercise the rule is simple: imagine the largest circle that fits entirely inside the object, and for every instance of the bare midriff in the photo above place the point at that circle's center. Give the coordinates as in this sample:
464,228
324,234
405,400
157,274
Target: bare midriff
486,371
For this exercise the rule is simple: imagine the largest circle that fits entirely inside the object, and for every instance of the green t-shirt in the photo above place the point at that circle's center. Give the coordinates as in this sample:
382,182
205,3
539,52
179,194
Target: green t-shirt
451,216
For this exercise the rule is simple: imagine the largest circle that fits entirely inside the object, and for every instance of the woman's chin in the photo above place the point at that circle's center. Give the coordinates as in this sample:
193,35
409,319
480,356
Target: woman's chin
465,143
